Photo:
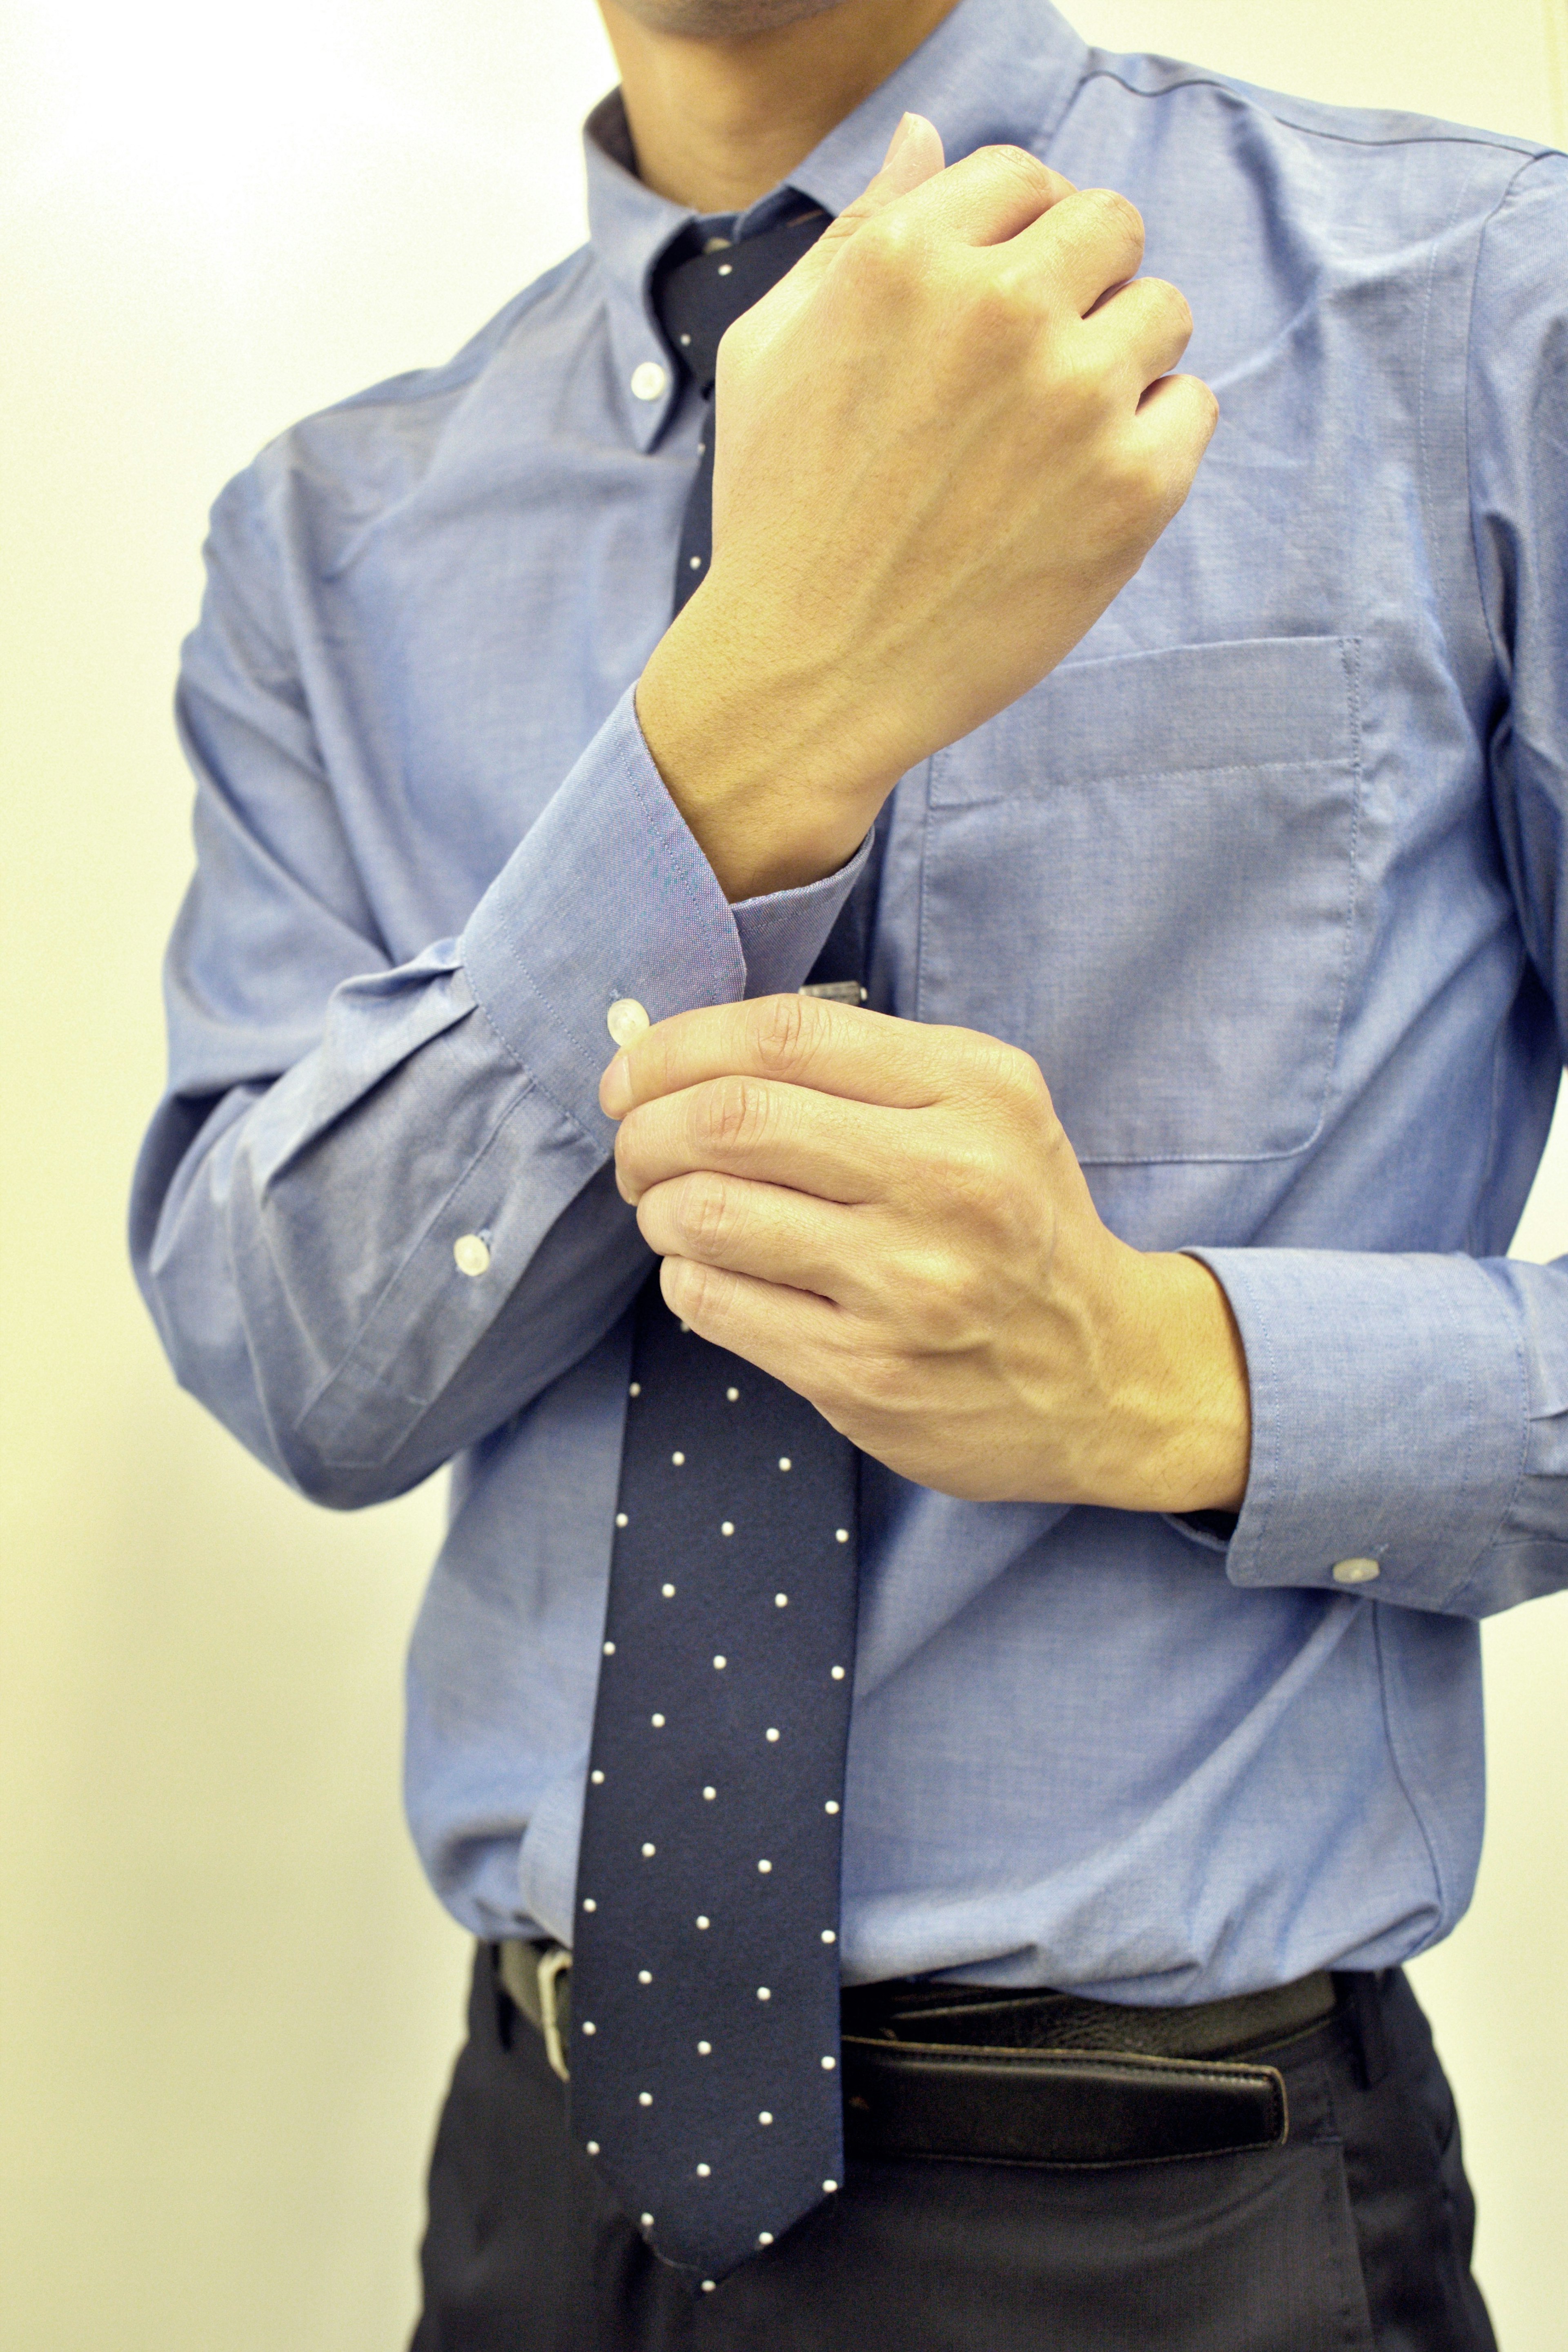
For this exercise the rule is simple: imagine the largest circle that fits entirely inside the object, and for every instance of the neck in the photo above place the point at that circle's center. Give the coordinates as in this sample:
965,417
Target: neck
716,120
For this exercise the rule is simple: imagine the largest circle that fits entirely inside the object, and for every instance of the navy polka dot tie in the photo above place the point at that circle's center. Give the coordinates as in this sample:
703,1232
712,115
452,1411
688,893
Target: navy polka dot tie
705,2058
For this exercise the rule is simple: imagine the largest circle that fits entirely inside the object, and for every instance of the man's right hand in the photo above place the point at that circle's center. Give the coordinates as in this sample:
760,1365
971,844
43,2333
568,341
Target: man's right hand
948,438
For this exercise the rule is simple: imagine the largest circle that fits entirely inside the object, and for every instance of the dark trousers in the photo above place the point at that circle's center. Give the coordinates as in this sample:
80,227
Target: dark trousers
1355,2234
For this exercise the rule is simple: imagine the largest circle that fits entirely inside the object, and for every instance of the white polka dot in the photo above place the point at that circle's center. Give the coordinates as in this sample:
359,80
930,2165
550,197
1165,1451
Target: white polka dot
588,1904
765,1867
733,1396
705,2172
657,1721
710,1794
828,2064
648,1853
771,1734
781,1601
703,1920
707,2286
705,2049
842,1534
685,1326
696,562
725,269
765,2237
588,2026
828,2187
678,1459
610,1649
785,1463
763,1993
644,1976
721,1664
765,2118
832,1805
621,1520
727,1527
668,1590
829,1936
647,2221
593,2148
597,1778
644,2098
838,1674
635,1389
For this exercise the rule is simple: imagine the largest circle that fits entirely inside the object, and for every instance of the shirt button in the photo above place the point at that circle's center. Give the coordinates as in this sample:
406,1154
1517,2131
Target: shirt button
473,1255
1356,1572
648,381
626,1020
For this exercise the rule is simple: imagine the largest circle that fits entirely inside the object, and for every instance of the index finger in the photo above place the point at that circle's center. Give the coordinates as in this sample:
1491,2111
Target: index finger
810,1041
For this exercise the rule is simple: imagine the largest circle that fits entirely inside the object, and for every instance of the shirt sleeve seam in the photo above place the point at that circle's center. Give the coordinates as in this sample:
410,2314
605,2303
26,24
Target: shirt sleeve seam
1501,657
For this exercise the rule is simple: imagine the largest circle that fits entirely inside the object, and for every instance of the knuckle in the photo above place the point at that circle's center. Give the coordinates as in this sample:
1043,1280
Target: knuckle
782,1030
883,251
729,1114
1026,170
1119,214
1172,304
704,1212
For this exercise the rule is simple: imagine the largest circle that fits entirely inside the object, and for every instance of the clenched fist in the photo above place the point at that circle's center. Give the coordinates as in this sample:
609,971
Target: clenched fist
889,1218
944,440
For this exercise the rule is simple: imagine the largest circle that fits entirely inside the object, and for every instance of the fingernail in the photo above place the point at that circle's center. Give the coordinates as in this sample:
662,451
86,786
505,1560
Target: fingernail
615,1089
898,138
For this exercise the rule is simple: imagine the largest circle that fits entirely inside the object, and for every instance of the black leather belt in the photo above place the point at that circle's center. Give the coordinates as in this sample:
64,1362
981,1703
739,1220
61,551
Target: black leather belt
979,2075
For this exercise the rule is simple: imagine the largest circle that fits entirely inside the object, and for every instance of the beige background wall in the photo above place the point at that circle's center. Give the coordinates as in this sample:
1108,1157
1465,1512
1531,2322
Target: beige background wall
228,2001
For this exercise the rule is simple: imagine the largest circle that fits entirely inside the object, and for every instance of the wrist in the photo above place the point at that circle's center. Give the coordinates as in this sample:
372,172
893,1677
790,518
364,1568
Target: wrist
1180,1413
757,753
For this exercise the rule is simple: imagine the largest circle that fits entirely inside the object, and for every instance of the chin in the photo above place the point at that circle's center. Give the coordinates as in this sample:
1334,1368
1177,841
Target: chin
723,20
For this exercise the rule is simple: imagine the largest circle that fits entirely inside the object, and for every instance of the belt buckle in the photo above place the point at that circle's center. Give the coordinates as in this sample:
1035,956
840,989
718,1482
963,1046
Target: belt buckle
552,1967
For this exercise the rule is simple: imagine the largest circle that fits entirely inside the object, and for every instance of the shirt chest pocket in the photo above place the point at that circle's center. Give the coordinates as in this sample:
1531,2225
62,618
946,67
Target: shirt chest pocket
1143,874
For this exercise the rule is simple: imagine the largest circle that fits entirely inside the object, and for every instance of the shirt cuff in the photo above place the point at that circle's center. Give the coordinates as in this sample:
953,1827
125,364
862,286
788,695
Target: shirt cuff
781,936
1390,1416
608,896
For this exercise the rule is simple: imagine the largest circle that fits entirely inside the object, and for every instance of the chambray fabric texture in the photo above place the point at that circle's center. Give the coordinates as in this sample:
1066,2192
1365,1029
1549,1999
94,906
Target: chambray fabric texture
1267,875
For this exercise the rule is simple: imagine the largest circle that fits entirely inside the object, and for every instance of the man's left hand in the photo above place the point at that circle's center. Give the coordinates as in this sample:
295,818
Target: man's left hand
888,1217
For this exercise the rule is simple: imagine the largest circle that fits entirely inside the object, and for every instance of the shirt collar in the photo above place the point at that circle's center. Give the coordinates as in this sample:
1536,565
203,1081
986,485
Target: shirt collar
993,72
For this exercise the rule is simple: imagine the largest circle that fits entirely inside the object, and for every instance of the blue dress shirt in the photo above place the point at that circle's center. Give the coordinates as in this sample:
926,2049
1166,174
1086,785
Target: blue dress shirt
1268,876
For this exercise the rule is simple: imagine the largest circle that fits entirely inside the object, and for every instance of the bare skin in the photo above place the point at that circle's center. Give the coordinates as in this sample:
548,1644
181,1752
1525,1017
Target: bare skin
946,440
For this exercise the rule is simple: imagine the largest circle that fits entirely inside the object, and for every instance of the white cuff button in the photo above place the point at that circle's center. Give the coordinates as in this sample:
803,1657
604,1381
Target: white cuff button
473,1255
626,1020
648,381
1356,1572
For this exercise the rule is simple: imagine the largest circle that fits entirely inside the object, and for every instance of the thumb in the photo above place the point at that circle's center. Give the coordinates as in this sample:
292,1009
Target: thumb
914,156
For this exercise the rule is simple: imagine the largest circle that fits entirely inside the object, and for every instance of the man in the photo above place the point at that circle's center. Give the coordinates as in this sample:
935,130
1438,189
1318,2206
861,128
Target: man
1140,1232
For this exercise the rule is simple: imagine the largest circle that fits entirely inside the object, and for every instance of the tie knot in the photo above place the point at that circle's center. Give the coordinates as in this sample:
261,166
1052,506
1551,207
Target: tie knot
697,295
